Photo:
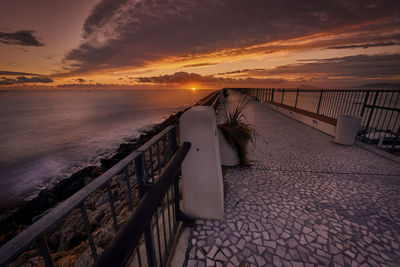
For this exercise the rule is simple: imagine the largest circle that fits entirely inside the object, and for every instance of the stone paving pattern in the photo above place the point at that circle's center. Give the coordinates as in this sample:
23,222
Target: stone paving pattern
306,201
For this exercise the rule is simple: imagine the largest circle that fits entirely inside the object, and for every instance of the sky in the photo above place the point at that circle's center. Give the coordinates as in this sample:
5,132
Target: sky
118,44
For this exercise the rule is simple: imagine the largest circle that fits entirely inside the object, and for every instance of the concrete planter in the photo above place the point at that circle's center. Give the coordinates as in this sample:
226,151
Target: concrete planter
228,153
346,129
203,187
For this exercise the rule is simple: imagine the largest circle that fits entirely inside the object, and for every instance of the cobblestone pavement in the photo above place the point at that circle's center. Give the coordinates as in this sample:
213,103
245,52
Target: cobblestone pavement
306,201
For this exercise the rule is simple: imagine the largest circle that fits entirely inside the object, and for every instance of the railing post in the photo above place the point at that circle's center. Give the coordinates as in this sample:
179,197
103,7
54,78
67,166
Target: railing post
141,174
172,141
44,249
297,96
283,95
88,231
272,95
128,185
112,207
319,102
365,103
143,186
372,110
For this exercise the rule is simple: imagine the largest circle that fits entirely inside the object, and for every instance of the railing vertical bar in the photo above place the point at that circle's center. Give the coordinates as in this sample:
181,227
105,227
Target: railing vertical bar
361,98
371,111
173,141
283,95
169,217
323,101
326,104
273,94
164,229
319,101
149,240
382,110
151,163
44,249
332,105
342,103
394,106
112,206
386,115
328,101
366,97
88,230
166,150
295,98
173,208
139,256
354,103
158,157
141,174
128,186
339,104
346,103
158,237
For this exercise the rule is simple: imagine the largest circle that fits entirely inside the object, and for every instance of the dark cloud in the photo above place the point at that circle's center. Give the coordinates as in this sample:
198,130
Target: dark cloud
23,79
382,85
366,45
199,65
13,73
186,78
360,66
25,38
80,80
137,32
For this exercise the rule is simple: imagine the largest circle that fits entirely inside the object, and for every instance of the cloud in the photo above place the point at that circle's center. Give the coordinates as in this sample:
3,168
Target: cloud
23,79
199,65
25,38
13,73
366,45
120,33
359,66
80,80
183,78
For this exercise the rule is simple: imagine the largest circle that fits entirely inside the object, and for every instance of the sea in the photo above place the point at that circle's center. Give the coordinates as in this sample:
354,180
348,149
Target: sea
46,135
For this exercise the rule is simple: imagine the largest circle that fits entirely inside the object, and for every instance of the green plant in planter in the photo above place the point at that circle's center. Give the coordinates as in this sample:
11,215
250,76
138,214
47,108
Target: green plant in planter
236,132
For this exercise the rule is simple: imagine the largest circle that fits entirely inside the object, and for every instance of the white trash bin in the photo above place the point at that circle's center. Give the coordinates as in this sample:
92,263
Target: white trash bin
346,129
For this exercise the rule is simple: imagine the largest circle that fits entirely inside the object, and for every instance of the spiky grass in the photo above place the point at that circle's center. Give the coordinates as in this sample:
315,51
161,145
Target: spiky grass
236,132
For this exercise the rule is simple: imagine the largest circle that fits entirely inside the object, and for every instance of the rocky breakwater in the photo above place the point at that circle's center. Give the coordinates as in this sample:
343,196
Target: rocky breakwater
68,240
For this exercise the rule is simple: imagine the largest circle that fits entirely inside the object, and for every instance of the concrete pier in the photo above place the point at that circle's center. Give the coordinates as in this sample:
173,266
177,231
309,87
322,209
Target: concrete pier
305,201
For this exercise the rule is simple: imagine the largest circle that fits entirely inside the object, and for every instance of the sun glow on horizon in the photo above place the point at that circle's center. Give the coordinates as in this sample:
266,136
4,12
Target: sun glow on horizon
193,88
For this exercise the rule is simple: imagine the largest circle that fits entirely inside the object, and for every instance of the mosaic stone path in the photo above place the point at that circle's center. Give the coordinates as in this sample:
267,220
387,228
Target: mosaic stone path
306,201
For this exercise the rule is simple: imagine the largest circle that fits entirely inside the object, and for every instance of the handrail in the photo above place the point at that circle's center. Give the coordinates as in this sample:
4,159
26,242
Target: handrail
209,100
119,250
33,232
317,90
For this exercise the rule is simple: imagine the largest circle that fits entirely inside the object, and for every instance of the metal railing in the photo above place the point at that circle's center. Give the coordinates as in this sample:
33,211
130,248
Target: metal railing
119,252
210,100
126,183
147,163
379,109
